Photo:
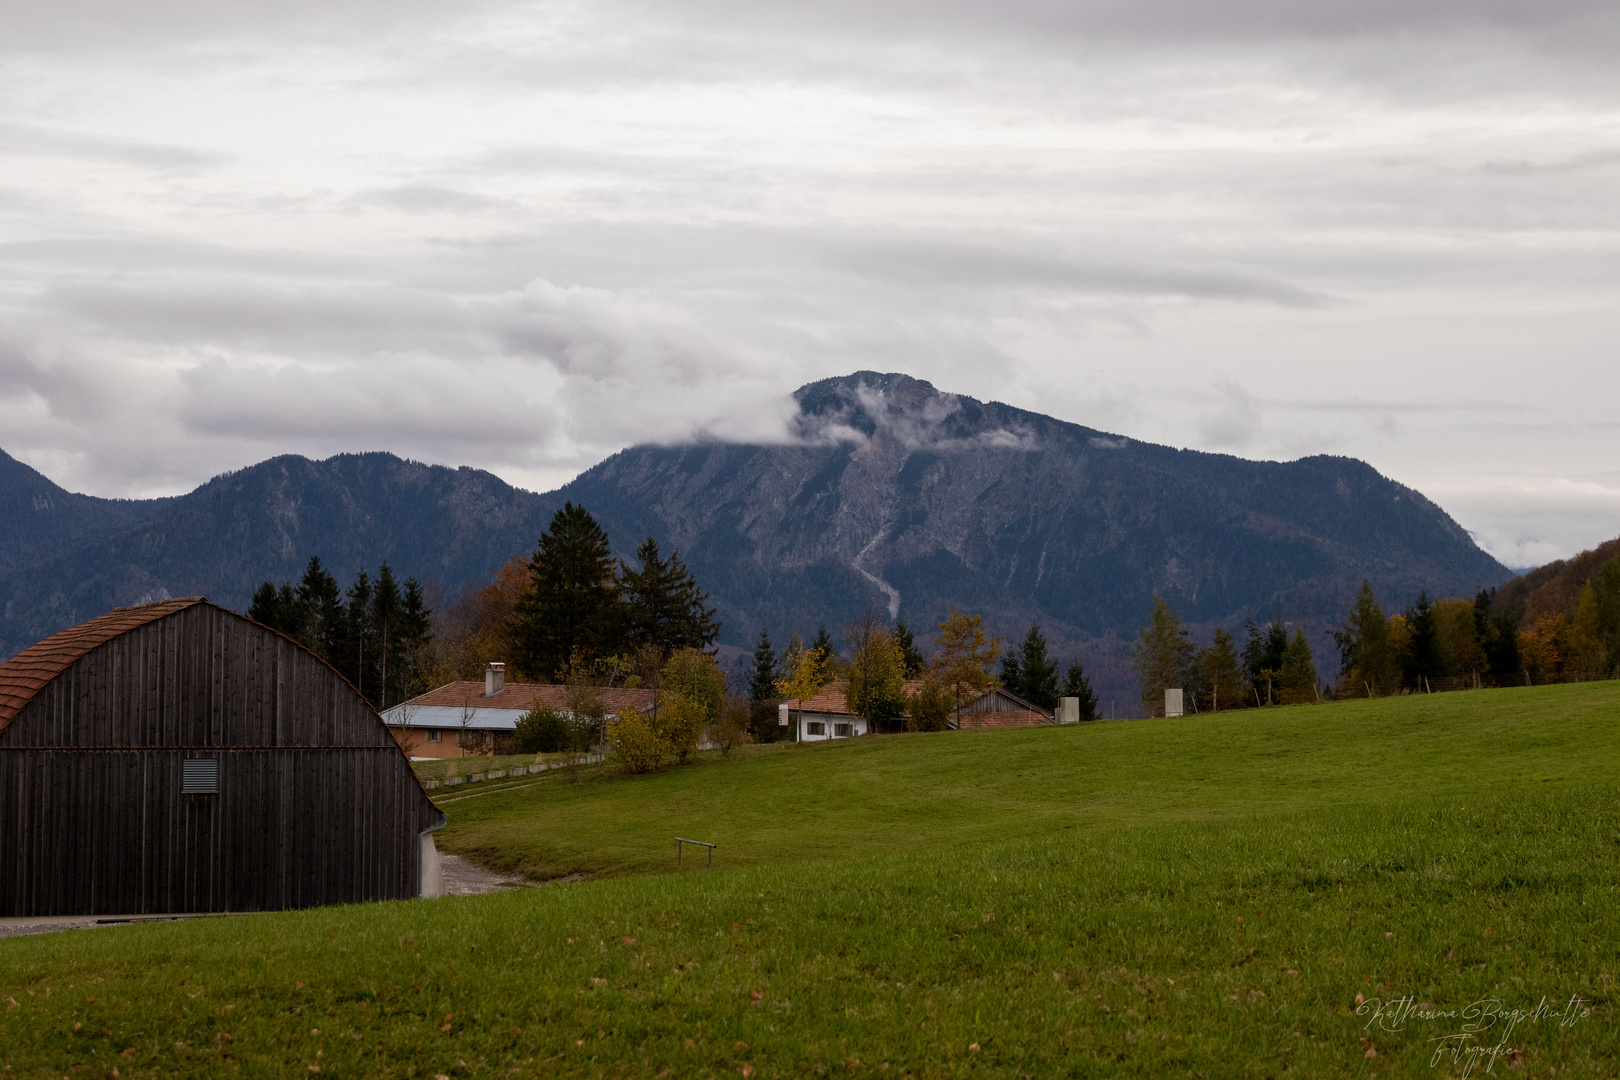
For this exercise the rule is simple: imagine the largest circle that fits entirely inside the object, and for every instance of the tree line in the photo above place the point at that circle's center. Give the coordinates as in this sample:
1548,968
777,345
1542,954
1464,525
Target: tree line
1382,654
377,635
1273,667
569,608
881,661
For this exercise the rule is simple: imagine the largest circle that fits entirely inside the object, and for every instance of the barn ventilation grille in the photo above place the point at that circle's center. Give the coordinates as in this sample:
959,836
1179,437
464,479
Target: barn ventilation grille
199,776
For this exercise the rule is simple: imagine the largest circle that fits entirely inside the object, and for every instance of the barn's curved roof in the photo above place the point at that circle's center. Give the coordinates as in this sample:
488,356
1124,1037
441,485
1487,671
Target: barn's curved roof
27,673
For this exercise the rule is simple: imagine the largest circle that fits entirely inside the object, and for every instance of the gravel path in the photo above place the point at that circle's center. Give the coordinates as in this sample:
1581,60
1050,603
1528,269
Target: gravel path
462,878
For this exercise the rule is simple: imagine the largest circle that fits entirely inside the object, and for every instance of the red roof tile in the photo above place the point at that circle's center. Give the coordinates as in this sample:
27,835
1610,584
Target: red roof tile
25,674
833,698
522,697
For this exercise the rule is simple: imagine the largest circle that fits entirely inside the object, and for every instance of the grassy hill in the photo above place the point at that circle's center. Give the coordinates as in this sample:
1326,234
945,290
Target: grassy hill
1228,896
873,797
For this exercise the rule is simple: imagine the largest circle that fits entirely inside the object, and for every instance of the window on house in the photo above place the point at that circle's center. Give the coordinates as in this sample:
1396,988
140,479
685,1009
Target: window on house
815,727
435,735
842,731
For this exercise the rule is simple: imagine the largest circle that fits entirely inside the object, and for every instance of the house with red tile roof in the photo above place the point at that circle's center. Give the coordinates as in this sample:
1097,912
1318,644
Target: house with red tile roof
829,716
467,718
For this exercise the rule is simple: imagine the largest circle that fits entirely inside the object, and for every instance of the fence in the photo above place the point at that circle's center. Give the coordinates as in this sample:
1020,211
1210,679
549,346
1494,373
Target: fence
1484,682
501,774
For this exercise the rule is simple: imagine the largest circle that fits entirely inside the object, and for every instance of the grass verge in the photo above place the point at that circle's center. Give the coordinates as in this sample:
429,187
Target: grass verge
1228,949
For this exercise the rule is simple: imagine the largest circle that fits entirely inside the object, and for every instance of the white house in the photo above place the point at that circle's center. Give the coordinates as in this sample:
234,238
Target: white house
828,716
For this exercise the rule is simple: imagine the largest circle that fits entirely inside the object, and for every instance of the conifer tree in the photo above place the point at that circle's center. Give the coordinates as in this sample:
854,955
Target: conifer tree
1077,686
762,692
908,650
1034,673
823,648
1221,674
320,603
663,605
762,685
1263,659
1421,657
1298,673
571,604
277,609
1368,661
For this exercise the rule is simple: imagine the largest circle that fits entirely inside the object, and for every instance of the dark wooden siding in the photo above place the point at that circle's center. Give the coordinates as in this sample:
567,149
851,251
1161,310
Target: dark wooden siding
316,803
996,702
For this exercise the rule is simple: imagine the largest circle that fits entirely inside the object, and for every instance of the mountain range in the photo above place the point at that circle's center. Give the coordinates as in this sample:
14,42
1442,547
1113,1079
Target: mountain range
888,491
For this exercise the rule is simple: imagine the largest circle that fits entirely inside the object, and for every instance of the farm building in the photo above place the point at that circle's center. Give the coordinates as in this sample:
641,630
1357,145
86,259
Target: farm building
177,757
828,715
463,718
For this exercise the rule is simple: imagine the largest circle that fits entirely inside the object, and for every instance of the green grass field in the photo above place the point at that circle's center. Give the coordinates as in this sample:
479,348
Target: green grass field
1199,897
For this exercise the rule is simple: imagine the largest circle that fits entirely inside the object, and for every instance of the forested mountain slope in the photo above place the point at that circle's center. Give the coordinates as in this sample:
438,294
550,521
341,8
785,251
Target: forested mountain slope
890,491
923,500
263,523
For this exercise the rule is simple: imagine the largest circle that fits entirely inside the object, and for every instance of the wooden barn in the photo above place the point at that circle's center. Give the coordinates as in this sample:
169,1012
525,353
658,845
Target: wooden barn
177,757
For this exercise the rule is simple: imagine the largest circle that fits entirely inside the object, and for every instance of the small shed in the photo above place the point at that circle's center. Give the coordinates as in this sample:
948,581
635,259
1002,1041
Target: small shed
178,757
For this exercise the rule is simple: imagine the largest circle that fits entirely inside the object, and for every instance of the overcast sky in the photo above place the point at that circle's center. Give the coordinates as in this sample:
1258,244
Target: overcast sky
525,235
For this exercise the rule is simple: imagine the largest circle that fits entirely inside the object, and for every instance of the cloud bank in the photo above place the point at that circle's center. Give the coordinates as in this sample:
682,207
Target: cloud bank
525,235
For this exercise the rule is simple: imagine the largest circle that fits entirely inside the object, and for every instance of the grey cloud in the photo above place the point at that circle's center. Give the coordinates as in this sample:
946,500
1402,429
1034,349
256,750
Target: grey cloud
18,140
1182,19
111,25
1233,421
920,264
431,199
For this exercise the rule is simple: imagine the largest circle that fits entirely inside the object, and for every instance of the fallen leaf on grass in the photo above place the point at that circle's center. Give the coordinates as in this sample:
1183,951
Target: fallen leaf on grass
1290,971
973,1047
747,1071
11,1003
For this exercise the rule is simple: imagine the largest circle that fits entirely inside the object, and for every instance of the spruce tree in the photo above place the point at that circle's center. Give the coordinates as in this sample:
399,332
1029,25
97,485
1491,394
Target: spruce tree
908,649
357,653
571,603
823,648
1012,673
1298,672
1369,663
1221,674
762,685
1422,659
278,609
663,606
1263,659
1036,673
1076,685
320,604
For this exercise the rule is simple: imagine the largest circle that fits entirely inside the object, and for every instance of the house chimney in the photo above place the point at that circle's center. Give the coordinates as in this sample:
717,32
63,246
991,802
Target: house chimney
494,679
